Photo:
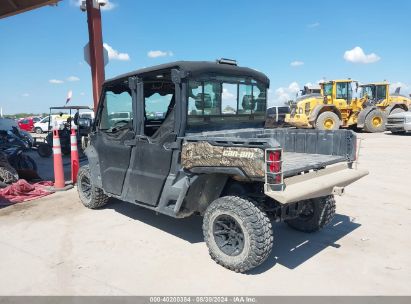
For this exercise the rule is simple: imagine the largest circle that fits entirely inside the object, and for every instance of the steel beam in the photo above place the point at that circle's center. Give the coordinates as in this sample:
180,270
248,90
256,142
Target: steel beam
96,50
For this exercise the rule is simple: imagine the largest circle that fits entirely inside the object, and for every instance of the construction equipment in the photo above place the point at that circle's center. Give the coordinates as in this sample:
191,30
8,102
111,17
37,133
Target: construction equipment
336,107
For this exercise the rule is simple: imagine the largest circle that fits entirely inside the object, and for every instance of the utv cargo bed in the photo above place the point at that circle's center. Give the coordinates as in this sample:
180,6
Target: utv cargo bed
303,149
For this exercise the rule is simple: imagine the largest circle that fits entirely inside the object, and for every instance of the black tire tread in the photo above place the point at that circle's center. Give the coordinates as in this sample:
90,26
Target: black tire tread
324,215
98,198
257,224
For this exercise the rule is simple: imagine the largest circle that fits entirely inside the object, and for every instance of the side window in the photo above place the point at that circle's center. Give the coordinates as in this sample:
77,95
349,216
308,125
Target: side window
328,89
195,101
229,99
157,106
117,109
381,92
342,90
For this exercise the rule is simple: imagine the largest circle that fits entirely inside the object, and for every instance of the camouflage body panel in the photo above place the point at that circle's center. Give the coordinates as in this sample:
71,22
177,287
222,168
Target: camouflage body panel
203,154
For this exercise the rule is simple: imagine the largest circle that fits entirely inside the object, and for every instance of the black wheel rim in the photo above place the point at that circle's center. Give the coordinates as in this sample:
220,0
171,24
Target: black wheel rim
307,211
228,235
85,187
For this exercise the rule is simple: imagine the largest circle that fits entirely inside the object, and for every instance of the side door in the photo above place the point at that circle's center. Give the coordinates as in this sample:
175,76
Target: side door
112,133
343,94
152,152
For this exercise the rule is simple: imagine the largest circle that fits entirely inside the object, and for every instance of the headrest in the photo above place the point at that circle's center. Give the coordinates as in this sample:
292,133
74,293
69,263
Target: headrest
199,101
248,103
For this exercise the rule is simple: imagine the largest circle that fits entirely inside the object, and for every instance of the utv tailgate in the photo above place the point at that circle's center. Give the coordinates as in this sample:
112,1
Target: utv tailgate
331,180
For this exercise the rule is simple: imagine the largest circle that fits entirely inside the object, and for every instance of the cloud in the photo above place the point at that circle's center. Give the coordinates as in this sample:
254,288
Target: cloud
82,94
25,95
357,55
73,78
228,95
107,7
155,54
116,55
313,25
296,63
283,94
56,81
405,88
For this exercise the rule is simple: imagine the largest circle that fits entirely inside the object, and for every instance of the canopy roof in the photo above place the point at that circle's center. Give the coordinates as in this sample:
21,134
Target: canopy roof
71,108
14,7
196,68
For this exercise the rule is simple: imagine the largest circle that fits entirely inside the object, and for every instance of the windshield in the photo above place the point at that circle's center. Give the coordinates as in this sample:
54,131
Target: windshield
225,100
368,91
328,89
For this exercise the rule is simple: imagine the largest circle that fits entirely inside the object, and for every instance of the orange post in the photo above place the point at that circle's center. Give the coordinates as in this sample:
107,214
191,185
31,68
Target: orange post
74,156
58,162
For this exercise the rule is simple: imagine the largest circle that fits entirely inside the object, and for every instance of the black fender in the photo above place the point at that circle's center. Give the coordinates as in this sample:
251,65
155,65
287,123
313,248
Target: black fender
205,189
363,114
94,165
318,109
394,106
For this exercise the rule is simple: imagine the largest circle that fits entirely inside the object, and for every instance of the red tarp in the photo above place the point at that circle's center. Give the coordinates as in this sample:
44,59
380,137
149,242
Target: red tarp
22,191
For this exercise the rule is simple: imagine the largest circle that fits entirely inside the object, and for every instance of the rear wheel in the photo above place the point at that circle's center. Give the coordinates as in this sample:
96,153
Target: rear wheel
328,121
375,122
316,213
38,130
91,196
237,233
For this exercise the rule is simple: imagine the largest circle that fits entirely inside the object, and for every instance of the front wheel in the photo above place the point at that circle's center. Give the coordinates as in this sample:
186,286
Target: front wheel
91,196
375,122
38,130
328,121
316,213
237,233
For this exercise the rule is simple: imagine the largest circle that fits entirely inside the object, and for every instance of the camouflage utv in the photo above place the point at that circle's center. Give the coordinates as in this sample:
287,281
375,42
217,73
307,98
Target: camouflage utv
192,142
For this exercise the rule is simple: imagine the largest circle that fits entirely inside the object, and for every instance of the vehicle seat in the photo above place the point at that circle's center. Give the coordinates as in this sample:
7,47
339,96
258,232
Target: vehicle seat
248,103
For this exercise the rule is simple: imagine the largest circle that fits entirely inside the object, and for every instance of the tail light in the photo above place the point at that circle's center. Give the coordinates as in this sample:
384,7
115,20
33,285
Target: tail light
274,161
273,170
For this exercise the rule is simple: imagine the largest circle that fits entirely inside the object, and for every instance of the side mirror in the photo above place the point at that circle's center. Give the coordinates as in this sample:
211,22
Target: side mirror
84,125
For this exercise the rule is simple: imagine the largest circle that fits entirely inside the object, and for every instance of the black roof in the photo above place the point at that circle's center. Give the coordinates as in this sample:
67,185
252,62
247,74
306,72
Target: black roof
71,108
196,68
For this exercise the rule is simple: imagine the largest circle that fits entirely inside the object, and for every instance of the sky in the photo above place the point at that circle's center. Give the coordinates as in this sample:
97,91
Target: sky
293,42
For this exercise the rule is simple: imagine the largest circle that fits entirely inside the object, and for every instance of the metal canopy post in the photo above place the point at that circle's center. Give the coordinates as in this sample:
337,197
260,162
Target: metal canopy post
96,49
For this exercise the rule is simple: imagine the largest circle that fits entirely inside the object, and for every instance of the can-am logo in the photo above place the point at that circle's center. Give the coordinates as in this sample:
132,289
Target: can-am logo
239,154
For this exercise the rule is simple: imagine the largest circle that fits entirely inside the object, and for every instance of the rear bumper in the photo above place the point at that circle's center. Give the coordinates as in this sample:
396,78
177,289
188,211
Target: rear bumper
331,180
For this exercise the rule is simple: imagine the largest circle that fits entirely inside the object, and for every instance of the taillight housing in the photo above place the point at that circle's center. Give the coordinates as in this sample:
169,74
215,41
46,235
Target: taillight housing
273,163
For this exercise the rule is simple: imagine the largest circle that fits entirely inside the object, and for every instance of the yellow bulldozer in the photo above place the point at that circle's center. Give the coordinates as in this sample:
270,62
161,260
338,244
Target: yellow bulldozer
335,106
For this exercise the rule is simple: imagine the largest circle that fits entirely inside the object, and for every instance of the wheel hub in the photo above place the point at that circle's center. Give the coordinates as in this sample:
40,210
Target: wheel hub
377,121
328,124
228,235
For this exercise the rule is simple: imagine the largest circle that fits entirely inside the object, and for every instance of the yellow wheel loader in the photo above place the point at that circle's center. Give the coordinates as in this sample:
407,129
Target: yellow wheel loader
335,106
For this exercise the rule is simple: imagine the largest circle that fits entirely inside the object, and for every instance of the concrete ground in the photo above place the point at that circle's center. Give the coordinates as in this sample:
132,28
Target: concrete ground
55,246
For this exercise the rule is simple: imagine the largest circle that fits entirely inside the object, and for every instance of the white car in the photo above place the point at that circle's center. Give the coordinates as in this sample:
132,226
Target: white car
399,122
42,126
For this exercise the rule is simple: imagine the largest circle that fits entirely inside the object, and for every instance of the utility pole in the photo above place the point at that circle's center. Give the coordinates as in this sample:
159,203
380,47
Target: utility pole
96,48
